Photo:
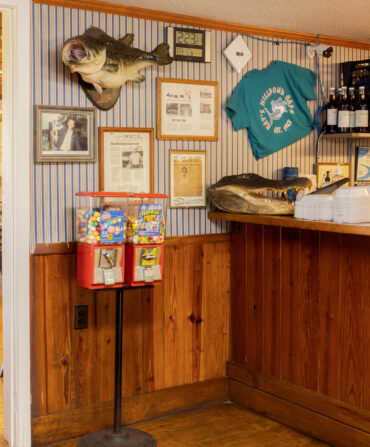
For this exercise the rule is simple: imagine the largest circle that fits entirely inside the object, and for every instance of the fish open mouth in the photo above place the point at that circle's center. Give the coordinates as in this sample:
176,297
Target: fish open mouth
73,52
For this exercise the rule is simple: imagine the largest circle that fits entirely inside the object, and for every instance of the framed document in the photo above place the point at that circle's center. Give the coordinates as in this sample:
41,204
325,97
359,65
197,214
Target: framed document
126,157
362,165
187,179
325,173
64,134
187,110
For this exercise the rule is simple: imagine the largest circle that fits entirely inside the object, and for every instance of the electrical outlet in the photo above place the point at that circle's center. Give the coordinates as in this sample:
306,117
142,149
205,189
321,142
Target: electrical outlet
81,317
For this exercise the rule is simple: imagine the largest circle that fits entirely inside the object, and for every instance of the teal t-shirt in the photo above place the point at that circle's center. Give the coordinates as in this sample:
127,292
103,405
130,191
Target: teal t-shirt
271,104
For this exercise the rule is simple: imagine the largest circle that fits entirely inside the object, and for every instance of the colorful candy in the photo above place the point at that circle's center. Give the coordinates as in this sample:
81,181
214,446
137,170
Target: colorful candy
133,235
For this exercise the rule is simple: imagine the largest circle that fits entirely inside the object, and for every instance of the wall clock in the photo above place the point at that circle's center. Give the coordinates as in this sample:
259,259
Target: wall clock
189,44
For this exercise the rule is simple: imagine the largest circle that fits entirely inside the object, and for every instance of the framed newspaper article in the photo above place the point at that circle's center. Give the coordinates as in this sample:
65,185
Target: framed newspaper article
187,179
126,159
187,110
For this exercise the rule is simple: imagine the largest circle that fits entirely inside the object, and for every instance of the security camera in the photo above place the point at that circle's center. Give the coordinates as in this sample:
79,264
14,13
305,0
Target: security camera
320,50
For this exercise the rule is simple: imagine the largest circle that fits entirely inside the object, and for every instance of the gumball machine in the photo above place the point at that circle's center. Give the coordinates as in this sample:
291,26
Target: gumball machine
120,245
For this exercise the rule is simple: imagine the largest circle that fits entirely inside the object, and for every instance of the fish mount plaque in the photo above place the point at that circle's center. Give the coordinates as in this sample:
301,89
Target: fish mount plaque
104,64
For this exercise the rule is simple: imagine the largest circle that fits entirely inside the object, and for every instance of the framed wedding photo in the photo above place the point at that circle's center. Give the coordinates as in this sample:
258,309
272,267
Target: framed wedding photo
126,159
187,110
187,179
64,134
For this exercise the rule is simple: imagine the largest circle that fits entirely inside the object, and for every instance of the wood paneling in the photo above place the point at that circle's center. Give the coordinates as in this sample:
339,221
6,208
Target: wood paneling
301,313
77,422
162,16
174,334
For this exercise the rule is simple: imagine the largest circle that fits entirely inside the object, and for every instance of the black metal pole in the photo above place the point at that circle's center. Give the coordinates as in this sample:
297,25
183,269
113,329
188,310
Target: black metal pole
118,361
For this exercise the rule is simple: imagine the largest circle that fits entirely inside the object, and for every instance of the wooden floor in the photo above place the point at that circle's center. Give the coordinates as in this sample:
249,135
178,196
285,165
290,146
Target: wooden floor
220,426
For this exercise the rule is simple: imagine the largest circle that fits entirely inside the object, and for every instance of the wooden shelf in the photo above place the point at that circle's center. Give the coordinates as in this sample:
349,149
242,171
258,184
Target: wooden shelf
347,136
292,222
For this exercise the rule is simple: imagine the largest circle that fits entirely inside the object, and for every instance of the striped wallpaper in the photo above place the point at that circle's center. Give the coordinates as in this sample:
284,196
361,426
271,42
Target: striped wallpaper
54,184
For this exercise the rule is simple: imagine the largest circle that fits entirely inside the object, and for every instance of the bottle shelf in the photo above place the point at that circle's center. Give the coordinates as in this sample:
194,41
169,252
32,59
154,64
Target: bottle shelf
347,136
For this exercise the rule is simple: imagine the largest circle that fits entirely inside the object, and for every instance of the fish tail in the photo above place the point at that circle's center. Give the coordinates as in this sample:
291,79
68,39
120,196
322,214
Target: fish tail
161,54
269,115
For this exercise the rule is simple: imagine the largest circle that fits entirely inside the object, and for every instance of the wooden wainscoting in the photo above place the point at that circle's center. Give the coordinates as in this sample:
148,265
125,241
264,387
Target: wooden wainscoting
175,334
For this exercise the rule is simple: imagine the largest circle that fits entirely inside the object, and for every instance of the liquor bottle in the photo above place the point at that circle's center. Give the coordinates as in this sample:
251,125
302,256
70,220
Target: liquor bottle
352,109
332,113
362,112
343,112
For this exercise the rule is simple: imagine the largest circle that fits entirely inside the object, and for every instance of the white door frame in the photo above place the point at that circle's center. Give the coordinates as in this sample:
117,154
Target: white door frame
17,144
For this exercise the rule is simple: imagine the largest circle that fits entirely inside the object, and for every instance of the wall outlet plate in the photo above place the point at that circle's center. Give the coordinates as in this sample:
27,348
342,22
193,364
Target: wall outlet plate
81,317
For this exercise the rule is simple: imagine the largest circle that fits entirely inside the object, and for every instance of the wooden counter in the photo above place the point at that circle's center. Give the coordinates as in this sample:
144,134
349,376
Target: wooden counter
292,222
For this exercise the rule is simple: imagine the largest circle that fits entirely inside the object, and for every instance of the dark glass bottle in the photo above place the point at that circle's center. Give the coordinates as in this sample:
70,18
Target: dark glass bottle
352,108
343,112
362,112
332,113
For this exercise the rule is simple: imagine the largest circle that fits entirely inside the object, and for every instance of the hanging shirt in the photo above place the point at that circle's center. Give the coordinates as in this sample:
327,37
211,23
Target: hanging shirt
271,104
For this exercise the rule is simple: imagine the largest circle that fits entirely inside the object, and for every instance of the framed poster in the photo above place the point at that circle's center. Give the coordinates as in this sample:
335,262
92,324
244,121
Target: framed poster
187,179
64,134
187,110
325,172
362,165
126,159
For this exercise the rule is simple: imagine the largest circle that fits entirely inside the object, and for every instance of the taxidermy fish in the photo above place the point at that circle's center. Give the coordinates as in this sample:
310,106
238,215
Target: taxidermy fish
244,193
107,63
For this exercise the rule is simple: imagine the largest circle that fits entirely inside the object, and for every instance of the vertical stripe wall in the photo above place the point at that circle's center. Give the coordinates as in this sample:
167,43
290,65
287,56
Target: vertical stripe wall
55,184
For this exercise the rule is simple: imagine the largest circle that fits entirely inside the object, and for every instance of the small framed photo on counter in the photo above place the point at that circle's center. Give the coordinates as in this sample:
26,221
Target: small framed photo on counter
362,165
326,172
126,159
187,110
187,179
64,134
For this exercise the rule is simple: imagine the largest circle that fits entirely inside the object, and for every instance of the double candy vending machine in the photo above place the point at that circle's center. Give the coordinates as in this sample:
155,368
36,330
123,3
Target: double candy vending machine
120,239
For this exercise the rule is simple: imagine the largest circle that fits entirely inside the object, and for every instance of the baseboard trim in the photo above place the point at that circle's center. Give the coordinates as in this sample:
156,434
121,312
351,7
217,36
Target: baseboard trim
74,423
317,415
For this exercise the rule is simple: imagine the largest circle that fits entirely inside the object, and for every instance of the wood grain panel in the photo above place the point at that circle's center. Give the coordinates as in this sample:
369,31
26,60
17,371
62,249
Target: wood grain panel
238,287
309,310
271,302
58,328
366,327
300,418
38,346
105,305
254,296
77,422
290,268
352,296
319,403
166,328
329,311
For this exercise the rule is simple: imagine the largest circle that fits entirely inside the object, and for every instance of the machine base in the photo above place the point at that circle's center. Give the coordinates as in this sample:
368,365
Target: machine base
127,437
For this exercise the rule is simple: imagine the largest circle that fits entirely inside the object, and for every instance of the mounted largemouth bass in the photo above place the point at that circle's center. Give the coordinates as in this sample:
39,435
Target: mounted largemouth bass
244,193
107,63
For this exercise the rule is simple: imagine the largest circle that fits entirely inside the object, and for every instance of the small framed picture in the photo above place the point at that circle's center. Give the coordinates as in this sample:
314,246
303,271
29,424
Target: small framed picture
64,134
326,172
187,110
187,179
126,159
362,165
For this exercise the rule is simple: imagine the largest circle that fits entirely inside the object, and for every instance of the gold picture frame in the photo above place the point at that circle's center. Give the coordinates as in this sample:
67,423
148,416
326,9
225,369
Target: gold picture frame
328,169
187,110
126,159
187,179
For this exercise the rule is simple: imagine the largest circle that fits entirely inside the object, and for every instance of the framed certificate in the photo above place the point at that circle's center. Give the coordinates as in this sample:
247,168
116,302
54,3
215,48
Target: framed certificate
362,165
187,179
126,157
187,110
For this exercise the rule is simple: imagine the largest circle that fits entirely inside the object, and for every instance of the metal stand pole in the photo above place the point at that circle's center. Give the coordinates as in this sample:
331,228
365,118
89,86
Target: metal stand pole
119,436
